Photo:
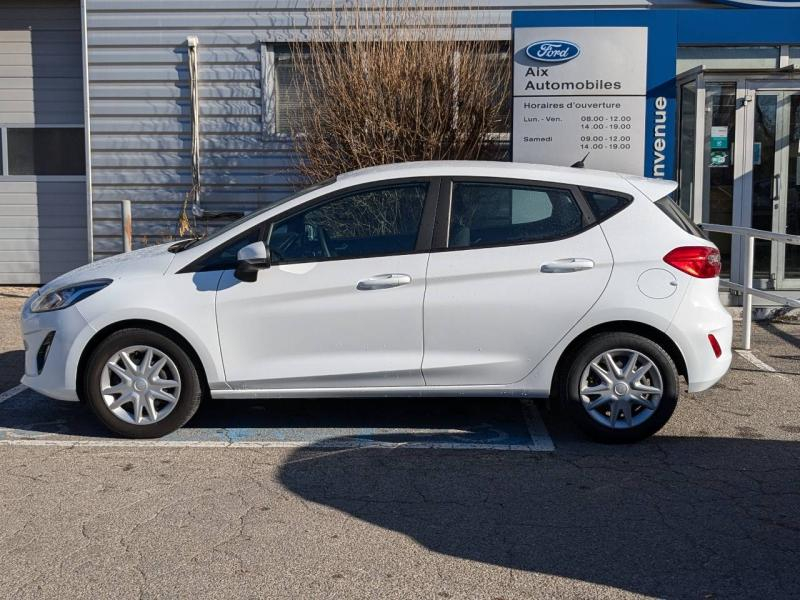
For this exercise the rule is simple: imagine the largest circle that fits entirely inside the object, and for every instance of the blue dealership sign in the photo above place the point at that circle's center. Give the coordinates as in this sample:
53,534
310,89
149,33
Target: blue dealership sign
656,131
764,3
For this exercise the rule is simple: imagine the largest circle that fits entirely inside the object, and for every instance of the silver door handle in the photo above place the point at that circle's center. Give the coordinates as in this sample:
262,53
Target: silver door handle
381,282
567,265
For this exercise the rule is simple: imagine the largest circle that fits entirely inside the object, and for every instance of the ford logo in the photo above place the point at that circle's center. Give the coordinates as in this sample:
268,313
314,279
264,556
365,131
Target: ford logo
553,51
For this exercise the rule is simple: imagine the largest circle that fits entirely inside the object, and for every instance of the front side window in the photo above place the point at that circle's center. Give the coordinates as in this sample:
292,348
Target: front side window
365,223
496,214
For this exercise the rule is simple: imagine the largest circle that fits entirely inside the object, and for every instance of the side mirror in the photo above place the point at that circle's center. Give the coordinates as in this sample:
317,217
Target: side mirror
250,260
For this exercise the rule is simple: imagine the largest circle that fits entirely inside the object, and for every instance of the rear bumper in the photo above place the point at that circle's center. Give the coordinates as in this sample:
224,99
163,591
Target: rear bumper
699,315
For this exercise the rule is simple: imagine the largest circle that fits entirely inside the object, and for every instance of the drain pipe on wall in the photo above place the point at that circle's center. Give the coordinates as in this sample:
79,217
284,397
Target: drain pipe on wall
197,212
192,42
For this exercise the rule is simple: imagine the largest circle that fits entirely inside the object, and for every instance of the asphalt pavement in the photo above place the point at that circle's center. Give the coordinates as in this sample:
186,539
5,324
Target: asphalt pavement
403,498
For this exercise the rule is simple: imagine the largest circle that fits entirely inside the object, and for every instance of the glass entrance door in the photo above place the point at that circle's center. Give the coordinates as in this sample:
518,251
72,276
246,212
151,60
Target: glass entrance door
769,160
787,180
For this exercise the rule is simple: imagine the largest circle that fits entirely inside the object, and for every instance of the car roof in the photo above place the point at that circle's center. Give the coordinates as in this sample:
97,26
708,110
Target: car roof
653,188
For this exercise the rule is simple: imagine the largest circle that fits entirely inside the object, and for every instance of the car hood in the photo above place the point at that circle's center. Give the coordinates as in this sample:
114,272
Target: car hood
153,260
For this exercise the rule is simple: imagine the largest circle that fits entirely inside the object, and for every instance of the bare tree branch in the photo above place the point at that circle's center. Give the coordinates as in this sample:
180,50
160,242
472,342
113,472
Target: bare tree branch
395,82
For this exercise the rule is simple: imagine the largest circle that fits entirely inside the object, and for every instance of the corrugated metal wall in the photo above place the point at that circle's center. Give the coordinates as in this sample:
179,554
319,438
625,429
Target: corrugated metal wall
42,219
139,102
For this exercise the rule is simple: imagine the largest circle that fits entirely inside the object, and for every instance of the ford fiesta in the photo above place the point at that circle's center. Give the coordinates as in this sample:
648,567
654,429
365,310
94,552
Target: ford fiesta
426,279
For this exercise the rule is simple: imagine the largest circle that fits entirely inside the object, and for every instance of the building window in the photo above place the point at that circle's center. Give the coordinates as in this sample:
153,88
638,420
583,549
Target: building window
46,151
288,91
728,57
287,88
794,55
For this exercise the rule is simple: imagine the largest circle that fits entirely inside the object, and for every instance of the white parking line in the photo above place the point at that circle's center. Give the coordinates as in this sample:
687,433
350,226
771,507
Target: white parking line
12,392
758,363
540,440
338,444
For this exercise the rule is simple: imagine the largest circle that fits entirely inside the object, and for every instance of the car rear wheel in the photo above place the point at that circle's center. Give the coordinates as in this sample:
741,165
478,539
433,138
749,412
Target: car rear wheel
141,384
621,387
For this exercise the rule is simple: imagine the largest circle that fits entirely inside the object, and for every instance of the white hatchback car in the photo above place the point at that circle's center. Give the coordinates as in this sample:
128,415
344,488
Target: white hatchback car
434,278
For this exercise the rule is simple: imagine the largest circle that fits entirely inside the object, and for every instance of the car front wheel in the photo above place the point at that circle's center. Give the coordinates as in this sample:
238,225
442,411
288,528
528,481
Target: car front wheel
141,384
621,387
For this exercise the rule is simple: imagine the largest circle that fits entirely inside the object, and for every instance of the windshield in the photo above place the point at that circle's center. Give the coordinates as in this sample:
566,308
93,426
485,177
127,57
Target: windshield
222,230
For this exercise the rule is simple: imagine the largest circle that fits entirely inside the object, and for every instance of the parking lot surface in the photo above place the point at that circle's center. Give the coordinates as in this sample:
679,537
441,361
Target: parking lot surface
403,498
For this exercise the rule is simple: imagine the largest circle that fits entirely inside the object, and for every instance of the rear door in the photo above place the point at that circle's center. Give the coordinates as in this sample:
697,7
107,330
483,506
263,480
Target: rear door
515,266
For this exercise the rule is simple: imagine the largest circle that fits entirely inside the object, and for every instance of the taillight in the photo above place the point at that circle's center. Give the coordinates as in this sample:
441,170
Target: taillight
698,261
715,345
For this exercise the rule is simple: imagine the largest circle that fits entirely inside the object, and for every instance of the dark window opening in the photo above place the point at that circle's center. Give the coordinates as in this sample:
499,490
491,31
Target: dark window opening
46,151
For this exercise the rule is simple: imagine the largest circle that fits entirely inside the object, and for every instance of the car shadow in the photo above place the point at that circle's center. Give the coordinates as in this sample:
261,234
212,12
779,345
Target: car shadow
670,517
12,365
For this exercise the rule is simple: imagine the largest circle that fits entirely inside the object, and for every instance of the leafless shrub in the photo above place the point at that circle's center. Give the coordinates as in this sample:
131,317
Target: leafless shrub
392,81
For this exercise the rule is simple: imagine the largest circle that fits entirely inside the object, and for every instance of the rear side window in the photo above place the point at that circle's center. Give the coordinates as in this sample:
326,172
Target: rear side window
498,214
605,204
680,218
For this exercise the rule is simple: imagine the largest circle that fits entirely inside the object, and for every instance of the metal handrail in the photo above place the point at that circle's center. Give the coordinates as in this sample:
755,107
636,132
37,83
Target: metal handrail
746,287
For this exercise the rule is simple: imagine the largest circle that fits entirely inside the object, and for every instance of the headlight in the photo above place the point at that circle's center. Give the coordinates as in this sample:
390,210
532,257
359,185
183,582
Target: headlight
67,295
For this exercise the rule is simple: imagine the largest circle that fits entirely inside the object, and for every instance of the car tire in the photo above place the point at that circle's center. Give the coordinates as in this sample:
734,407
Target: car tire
118,384
615,408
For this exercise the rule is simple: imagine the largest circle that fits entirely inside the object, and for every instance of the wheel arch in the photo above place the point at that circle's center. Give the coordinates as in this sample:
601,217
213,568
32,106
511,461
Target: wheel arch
635,327
164,330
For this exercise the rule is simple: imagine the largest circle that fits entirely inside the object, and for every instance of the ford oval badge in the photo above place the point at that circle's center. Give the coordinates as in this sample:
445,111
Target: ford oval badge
553,51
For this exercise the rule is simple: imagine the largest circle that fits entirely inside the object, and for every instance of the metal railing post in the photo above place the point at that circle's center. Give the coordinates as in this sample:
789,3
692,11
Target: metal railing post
127,226
747,298
749,236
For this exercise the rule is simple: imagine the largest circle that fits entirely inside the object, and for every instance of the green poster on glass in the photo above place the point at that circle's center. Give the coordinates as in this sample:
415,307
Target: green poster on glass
719,137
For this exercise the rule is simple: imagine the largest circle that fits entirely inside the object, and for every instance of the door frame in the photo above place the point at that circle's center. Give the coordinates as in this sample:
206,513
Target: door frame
784,89
748,84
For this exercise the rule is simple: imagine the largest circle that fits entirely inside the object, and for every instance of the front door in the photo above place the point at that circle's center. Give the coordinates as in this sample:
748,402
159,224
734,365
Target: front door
341,305
770,154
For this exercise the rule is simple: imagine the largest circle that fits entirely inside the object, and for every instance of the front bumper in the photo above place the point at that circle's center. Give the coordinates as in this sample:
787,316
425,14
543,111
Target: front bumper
56,375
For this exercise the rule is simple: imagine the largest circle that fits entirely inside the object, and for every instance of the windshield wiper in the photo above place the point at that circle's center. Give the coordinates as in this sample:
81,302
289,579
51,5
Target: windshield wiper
184,244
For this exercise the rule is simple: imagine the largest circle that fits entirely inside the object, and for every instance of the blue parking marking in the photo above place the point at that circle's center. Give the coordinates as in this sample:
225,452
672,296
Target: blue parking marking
490,423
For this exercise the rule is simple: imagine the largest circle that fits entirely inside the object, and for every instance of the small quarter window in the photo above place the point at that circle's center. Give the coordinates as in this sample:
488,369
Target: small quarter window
669,207
496,214
225,257
46,151
604,204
